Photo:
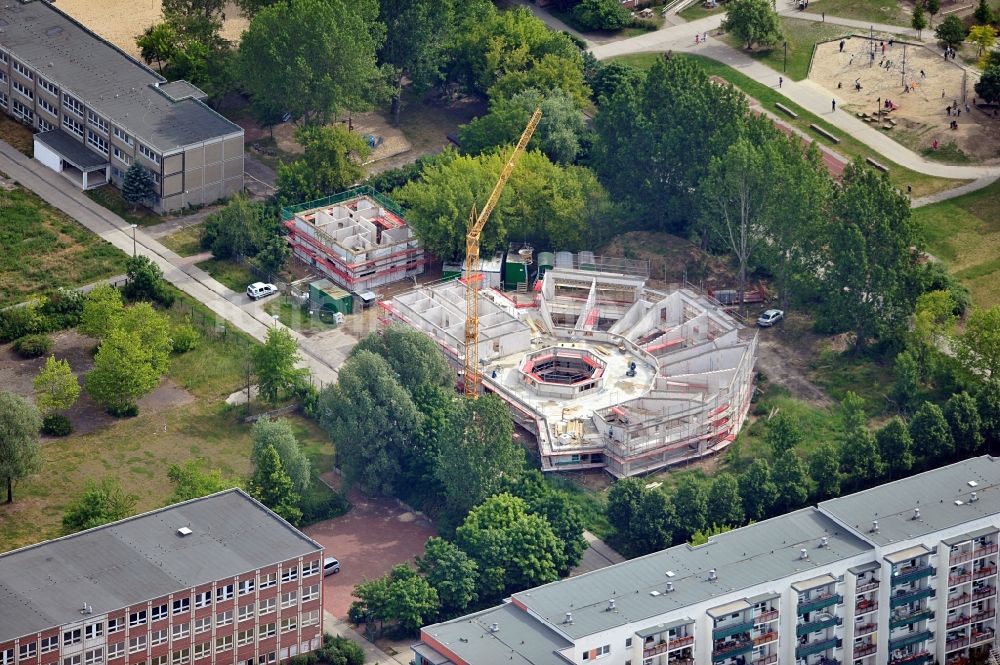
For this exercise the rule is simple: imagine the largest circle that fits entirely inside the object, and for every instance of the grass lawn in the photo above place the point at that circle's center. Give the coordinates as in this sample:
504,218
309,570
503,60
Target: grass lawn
876,11
837,373
110,197
229,273
186,242
964,232
41,248
801,36
17,135
922,184
292,316
699,10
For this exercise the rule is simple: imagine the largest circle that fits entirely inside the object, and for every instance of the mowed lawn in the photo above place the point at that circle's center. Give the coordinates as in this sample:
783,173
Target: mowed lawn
964,232
801,36
41,248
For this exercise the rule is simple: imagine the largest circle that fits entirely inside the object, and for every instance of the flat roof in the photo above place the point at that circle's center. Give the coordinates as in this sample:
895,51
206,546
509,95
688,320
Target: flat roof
71,150
942,495
822,580
114,84
141,558
908,553
728,608
978,533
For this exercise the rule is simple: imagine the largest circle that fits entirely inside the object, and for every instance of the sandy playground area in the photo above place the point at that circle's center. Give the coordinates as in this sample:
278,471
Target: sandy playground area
121,21
920,116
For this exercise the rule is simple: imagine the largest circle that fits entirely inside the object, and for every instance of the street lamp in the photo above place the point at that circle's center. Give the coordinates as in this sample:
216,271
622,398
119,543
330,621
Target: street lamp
878,109
275,317
133,238
784,65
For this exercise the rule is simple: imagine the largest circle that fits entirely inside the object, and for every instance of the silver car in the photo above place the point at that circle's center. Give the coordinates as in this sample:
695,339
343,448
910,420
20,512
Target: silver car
330,566
770,317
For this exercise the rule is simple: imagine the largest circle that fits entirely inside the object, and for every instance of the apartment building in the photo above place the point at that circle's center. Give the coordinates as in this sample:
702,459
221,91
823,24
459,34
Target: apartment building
97,110
215,580
901,574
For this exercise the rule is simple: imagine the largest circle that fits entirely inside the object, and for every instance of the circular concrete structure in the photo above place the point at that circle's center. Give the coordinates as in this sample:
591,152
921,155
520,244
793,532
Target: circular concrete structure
562,372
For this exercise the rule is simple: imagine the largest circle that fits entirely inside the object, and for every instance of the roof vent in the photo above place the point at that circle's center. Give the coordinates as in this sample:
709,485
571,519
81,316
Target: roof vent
973,483
569,618
670,587
86,609
874,526
959,502
184,531
916,512
713,575
824,542
973,497
611,605
803,553
494,628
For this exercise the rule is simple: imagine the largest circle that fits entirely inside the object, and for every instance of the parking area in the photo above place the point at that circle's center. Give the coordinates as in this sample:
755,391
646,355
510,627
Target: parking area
369,540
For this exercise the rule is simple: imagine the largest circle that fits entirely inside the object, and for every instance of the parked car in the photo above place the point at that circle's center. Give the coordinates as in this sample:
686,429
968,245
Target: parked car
259,290
330,566
770,317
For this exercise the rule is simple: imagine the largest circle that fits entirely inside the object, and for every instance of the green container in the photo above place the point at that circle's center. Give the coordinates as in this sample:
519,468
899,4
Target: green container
515,271
451,271
546,261
324,294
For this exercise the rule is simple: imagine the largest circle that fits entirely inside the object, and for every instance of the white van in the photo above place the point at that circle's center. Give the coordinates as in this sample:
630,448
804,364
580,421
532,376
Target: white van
330,566
260,289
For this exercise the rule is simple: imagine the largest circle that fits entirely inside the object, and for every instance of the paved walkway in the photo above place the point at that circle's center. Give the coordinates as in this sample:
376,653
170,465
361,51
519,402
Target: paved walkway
373,654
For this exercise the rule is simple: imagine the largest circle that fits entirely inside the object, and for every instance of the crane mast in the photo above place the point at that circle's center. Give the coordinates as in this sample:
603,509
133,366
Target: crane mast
473,276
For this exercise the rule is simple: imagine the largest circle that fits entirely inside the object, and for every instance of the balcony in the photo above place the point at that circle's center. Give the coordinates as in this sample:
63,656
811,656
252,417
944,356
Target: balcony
731,649
984,592
912,574
912,638
765,617
764,638
678,642
912,659
816,647
969,555
955,622
984,571
649,652
869,585
959,600
766,660
958,577
819,603
908,597
813,626
983,616
863,650
958,643
984,636
913,617
985,550
865,606
733,629
864,629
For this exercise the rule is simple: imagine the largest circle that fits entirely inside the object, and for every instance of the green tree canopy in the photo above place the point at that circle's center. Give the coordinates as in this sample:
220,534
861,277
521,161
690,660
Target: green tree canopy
895,447
792,480
988,405
267,433
273,256
153,331
907,381
273,487
123,372
988,85
19,453
783,434
102,311
145,281
100,503
752,22
330,163
979,348
238,229
158,43
137,184
930,433
824,467
414,357
725,506
964,422
690,507
757,489
624,499
56,387
860,458
918,22
274,364
193,480
452,574
602,14
950,32
651,529
984,14
413,602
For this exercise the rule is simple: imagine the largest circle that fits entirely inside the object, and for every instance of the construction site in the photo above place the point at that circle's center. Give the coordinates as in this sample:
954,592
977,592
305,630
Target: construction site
605,372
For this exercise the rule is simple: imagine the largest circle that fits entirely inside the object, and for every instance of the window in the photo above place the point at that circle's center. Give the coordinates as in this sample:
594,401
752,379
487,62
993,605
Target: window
72,637
288,625
203,650
310,618
7,657
246,612
246,586
204,598
93,656
288,599
23,89
269,658
137,643
267,606
3,77
73,104
244,637
23,71
180,657
310,568
137,618
181,606
222,592
628,642
124,137
157,637
93,630
114,625
310,593
269,580
153,157
77,128
224,618
599,652
160,611
72,660
159,660
3,100
97,121
48,86
181,630
28,651
268,630
50,643
202,625
48,107
224,643
21,111
116,650
101,145
127,160
3,56
290,574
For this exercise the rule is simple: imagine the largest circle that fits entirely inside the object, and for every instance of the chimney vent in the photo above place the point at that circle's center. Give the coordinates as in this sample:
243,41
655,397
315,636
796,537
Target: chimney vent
494,628
611,605
670,587
712,575
824,542
874,526
803,553
973,497
569,618
916,513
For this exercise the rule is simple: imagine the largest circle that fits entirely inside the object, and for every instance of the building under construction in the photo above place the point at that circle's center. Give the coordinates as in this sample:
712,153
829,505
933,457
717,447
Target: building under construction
358,239
605,372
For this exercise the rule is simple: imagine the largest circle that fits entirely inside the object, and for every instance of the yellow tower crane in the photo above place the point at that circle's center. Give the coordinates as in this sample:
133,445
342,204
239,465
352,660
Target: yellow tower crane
473,276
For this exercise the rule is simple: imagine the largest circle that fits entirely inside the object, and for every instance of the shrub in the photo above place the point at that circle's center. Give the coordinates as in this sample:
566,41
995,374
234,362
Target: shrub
124,411
56,425
316,509
17,322
185,338
62,309
32,346
602,14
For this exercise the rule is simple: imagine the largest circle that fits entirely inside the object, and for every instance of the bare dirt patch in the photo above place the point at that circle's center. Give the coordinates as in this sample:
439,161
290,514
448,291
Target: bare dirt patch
785,354
672,259
920,117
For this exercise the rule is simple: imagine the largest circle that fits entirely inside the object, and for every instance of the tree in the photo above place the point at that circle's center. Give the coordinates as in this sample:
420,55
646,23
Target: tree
988,405
895,447
477,453
919,21
907,378
983,36
101,503
102,310
984,14
137,185
158,42
562,515
558,133
724,503
414,357
267,433
56,387
988,86
691,507
419,32
964,423
452,574
372,421
193,480
274,365
852,413
753,22
330,163
933,322
783,434
933,7
153,331
372,600
513,549
602,15
979,348
312,57
122,372
951,32
930,433
860,458
651,527
19,453
792,480
610,76
145,281
238,229
824,467
757,489
273,255
412,600
251,7
624,499
273,487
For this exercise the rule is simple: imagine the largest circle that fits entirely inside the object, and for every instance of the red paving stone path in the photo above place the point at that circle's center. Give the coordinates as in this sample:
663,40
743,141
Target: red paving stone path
370,539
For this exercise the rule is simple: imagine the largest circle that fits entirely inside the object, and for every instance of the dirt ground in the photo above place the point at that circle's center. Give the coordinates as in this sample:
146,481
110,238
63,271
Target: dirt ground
17,375
921,115
784,355
121,21
369,540
671,259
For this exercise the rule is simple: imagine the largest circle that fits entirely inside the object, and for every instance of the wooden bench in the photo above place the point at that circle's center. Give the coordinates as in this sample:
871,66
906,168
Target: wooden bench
785,109
880,167
822,132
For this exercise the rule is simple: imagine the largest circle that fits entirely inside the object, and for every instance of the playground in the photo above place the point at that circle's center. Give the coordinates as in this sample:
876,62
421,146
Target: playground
913,85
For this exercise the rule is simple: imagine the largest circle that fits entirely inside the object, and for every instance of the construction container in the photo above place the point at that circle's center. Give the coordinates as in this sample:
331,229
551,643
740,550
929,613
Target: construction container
546,261
587,261
491,269
325,295
564,259
515,272
451,271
